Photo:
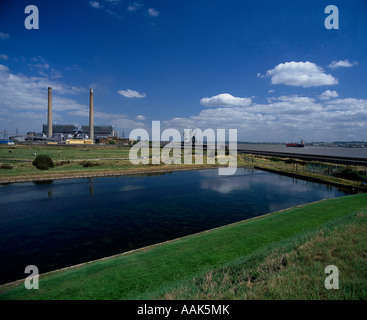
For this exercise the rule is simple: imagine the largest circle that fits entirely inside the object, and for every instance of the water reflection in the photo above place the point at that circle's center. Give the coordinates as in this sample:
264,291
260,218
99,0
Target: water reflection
226,184
91,186
245,179
43,182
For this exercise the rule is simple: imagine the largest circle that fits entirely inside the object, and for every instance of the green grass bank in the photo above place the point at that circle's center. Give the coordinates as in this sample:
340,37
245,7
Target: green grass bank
289,270
157,271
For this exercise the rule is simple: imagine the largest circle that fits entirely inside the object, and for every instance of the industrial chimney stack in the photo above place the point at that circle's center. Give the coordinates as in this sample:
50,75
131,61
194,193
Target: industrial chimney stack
91,125
49,117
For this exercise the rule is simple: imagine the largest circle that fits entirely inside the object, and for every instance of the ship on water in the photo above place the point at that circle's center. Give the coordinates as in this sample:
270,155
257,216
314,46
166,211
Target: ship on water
299,144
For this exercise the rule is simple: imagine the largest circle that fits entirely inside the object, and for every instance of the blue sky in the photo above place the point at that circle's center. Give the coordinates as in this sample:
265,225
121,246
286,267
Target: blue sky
269,69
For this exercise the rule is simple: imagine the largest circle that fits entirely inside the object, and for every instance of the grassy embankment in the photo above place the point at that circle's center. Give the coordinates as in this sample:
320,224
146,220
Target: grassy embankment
341,175
79,161
72,161
294,271
279,256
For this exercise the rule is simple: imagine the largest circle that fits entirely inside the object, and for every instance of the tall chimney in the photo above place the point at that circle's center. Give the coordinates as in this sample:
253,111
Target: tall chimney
91,125
49,117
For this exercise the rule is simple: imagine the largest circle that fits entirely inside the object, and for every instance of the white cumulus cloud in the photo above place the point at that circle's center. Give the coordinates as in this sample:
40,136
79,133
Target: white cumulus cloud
300,74
18,91
153,13
131,93
225,100
342,64
326,95
285,118
95,4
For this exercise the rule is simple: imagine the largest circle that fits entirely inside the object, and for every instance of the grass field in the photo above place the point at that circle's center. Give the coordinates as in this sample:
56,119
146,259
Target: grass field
84,161
235,255
70,161
63,152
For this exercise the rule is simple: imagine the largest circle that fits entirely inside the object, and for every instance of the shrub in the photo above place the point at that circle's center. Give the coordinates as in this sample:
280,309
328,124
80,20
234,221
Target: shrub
6,166
112,142
290,161
275,159
87,164
43,162
350,174
61,163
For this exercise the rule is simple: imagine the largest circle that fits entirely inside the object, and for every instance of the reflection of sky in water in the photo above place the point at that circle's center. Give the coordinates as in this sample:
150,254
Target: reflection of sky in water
239,172
60,189
241,180
131,188
72,221
245,179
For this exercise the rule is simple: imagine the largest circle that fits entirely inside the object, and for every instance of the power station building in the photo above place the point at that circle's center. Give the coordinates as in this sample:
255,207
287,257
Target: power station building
61,128
65,131
100,131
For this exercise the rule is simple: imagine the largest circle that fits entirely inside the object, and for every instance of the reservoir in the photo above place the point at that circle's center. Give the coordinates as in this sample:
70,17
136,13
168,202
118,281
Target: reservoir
66,222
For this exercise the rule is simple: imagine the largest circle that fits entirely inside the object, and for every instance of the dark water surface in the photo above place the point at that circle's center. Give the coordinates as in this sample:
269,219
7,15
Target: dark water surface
67,222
